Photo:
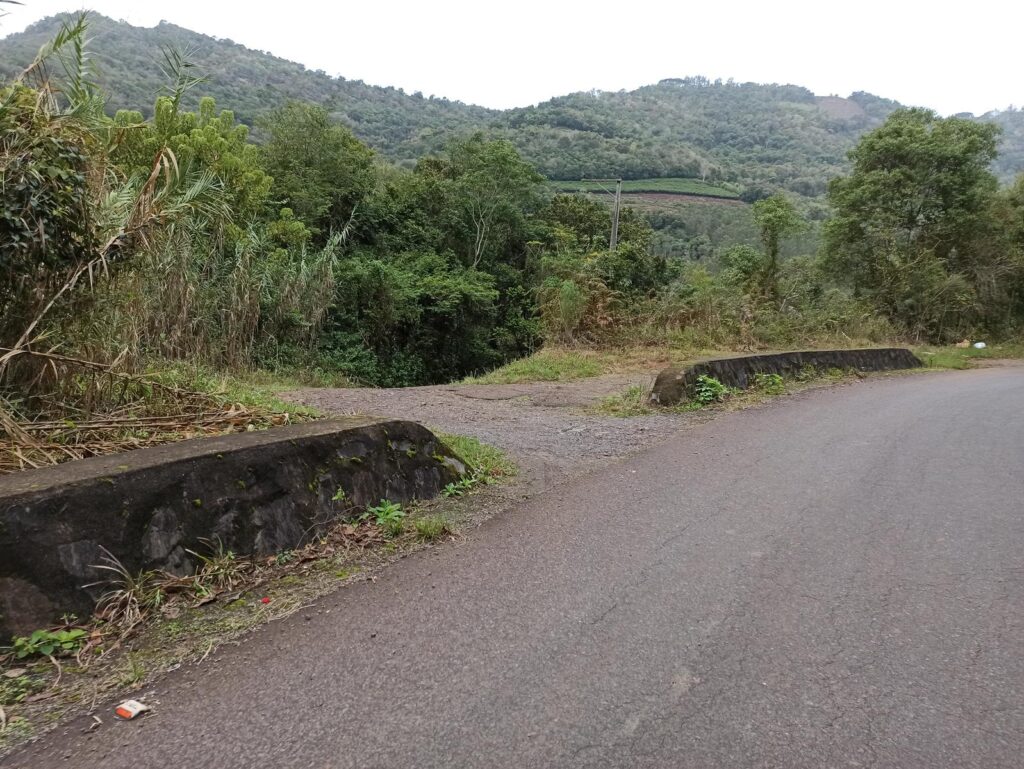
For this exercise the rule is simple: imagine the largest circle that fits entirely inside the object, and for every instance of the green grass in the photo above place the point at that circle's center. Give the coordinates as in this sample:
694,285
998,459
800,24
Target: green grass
432,527
488,462
632,402
667,185
963,357
548,365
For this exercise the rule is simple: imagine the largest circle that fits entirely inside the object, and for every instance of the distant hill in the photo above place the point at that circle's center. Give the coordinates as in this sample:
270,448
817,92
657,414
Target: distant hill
250,82
751,136
1010,162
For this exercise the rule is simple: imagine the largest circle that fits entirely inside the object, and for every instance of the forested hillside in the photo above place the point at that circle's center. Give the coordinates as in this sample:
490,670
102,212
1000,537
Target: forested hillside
128,67
756,137
748,133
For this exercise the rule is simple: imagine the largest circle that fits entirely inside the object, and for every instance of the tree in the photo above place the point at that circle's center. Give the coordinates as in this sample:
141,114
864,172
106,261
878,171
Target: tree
913,226
321,171
205,141
579,221
776,218
494,190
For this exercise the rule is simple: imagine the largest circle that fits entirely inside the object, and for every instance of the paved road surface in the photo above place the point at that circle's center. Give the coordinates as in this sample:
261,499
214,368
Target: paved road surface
836,580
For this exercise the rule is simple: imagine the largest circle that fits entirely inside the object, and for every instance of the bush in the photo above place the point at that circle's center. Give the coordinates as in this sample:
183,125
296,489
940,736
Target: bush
769,384
709,390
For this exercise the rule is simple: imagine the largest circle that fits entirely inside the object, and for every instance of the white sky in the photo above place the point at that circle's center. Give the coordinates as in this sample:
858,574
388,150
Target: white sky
953,57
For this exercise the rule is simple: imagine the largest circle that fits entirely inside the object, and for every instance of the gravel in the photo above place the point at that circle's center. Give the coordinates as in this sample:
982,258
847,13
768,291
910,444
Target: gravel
543,426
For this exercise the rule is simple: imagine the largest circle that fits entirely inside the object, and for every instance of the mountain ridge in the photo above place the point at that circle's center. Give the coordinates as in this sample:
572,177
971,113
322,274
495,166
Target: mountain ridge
751,135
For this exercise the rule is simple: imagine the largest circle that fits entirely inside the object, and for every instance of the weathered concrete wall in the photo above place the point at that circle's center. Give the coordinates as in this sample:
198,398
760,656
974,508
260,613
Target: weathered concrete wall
260,492
674,385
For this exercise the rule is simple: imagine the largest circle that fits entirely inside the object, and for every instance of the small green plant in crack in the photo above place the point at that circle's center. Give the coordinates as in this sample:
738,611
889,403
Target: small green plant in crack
339,495
49,643
458,488
17,729
769,384
806,373
220,570
632,402
131,595
387,515
284,557
708,390
432,527
14,689
134,672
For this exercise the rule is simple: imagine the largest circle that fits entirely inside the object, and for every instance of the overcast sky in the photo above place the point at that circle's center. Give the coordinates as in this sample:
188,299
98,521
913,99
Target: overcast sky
953,57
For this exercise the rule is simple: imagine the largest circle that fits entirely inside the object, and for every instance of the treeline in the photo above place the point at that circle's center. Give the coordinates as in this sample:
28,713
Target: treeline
136,242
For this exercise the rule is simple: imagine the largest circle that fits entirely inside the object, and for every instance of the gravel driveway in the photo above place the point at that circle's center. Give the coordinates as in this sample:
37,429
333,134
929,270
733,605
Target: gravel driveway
542,425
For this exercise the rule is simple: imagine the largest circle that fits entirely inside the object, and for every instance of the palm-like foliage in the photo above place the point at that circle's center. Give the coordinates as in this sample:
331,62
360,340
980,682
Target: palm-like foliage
116,217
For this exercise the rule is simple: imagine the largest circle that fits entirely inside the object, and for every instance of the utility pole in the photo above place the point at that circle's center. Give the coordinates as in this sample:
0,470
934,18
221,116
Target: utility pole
615,215
613,242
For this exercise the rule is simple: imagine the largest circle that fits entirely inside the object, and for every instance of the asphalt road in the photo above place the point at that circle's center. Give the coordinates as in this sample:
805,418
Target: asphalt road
835,580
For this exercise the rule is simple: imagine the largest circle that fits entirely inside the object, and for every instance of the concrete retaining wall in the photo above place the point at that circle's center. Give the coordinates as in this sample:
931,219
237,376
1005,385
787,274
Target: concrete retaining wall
259,493
674,385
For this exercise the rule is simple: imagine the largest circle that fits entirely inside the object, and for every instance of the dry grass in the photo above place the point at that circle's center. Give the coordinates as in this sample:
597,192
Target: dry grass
81,409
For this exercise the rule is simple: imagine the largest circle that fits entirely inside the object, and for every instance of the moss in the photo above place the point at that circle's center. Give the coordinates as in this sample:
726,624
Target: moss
17,729
197,502
174,628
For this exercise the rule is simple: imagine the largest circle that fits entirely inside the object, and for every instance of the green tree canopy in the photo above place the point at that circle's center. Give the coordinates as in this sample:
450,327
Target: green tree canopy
494,192
776,218
320,170
913,222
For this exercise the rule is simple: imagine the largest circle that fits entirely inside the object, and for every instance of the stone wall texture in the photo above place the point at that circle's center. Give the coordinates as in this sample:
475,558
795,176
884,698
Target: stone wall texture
257,493
674,385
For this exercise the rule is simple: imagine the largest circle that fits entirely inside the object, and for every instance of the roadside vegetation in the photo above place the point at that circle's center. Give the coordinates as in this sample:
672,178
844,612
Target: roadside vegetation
710,393
965,356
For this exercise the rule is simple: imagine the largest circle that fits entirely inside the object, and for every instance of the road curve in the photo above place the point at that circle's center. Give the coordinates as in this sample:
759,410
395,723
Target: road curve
834,580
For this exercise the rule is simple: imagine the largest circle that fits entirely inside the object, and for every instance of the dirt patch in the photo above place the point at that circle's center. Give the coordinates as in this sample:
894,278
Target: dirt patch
541,425
997,362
